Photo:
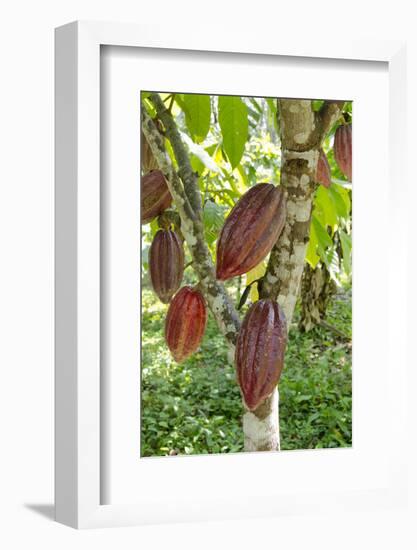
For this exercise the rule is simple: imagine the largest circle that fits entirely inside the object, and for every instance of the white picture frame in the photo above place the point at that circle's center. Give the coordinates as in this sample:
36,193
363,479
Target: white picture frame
79,410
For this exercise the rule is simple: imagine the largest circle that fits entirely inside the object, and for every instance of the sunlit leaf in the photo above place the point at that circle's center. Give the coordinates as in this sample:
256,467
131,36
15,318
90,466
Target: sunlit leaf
346,242
233,120
256,273
213,217
200,152
323,240
340,205
197,115
196,164
311,254
324,207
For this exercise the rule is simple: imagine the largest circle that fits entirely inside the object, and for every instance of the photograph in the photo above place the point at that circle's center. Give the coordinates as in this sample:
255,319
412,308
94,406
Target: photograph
246,273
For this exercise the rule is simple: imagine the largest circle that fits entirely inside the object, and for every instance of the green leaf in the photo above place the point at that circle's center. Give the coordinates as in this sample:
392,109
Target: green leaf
196,164
323,239
197,115
311,255
317,104
324,207
341,206
200,153
233,120
213,216
154,227
346,242
272,104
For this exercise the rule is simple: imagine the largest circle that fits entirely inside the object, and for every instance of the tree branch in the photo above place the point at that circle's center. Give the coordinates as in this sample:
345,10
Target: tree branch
328,115
185,191
185,170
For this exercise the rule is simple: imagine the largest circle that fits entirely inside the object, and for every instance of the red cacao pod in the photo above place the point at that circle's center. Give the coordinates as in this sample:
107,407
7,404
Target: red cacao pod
251,230
147,158
166,264
323,175
260,350
155,195
343,149
185,323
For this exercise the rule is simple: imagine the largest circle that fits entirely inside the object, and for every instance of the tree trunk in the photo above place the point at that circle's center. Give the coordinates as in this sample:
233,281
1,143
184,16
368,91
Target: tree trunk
302,131
317,288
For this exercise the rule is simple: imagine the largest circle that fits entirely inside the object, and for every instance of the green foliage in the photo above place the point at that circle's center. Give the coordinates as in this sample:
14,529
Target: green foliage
213,216
233,120
197,115
196,407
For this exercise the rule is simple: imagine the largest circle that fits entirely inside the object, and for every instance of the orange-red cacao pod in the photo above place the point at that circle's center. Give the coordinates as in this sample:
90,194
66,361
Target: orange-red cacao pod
155,195
343,149
251,230
185,322
260,350
166,264
324,175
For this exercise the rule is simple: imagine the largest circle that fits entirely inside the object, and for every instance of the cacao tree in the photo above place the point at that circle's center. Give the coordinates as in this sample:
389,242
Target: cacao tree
235,224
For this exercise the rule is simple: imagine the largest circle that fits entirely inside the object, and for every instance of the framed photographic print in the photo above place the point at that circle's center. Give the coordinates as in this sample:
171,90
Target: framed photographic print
218,283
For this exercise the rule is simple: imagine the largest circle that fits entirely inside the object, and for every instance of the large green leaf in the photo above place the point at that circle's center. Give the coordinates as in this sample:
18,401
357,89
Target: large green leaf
324,207
340,200
197,115
323,240
346,242
233,120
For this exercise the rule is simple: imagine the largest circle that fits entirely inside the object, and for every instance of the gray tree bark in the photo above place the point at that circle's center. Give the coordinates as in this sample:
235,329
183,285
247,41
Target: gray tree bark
316,289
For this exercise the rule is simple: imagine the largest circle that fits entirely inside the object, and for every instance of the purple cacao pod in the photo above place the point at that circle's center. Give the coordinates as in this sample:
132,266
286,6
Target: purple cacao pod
155,195
250,230
260,350
343,149
185,323
323,170
166,264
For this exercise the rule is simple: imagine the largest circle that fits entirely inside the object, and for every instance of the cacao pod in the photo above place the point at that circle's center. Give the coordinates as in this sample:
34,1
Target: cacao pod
343,149
166,264
147,159
260,350
251,230
323,174
155,195
185,323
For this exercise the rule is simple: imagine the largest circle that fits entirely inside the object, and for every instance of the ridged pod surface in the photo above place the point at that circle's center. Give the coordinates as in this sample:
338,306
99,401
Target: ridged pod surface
166,264
260,350
323,170
251,230
343,149
185,323
155,195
